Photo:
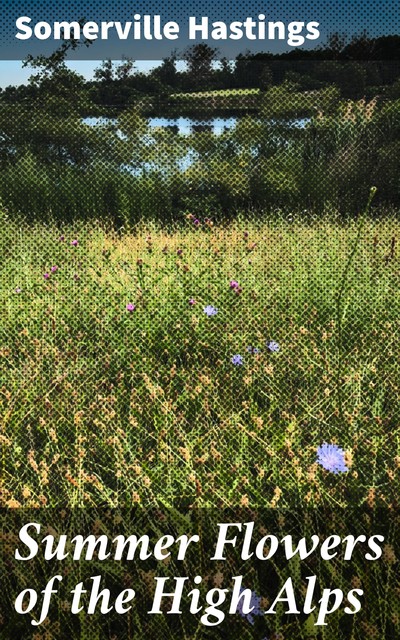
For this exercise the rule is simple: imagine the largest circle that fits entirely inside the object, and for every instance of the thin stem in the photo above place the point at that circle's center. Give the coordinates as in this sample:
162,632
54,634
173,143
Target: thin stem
340,299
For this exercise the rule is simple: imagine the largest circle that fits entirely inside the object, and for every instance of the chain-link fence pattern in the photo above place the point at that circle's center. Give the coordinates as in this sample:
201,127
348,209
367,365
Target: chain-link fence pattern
196,297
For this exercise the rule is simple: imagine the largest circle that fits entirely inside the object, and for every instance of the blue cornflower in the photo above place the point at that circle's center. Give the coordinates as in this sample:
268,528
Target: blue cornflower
251,349
331,458
273,346
255,602
209,310
237,359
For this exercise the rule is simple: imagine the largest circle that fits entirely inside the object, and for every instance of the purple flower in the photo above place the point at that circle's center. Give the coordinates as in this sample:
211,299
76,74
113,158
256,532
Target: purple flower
209,310
237,359
74,243
196,222
331,458
61,238
18,290
130,307
255,602
192,302
234,284
273,346
179,252
54,269
46,276
253,349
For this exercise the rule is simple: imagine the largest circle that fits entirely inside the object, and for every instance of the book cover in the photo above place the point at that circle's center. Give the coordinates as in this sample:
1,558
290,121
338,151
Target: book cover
199,324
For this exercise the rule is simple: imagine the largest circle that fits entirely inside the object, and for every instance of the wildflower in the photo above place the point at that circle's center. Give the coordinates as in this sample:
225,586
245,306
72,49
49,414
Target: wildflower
273,346
179,252
53,268
61,238
76,277
192,302
196,222
46,276
245,235
233,284
130,307
252,349
18,290
237,359
209,310
74,243
331,458
255,604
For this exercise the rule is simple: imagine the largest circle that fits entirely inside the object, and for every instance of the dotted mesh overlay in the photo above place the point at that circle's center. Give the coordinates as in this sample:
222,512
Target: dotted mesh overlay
335,16
199,294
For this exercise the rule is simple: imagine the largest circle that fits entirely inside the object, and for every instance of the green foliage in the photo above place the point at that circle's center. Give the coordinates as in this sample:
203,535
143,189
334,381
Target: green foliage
90,390
285,101
56,165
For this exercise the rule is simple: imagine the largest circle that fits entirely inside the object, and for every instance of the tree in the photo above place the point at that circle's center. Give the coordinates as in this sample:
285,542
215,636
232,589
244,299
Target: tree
62,90
53,84
125,70
166,72
104,73
266,78
199,59
336,44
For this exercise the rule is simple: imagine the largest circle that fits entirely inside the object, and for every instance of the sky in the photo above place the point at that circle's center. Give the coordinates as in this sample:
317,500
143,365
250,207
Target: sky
350,17
13,73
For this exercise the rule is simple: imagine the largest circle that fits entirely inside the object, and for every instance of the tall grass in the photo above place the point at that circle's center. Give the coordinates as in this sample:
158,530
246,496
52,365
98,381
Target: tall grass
101,405
117,390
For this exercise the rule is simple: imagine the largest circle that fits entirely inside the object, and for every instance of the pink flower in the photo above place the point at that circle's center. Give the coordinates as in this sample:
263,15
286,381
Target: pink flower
233,284
54,269
130,307
192,302
74,243
46,276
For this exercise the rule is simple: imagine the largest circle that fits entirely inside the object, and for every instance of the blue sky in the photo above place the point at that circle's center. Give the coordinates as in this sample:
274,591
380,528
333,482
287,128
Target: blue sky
350,17
12,72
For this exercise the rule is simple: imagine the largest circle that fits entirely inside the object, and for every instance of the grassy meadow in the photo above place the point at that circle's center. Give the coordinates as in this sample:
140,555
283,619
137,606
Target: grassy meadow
118,389
201,325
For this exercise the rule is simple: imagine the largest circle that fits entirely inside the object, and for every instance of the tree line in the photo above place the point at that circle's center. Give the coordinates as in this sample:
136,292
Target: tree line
361,67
